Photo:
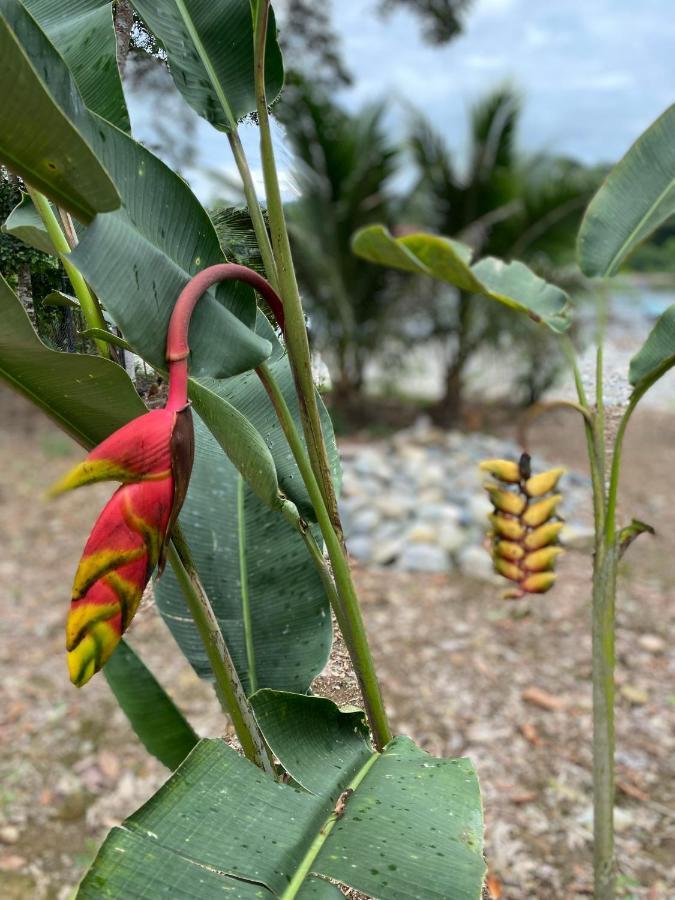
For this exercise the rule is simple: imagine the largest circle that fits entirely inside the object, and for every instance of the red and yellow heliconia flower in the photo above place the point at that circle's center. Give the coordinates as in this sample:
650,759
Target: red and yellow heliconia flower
152,457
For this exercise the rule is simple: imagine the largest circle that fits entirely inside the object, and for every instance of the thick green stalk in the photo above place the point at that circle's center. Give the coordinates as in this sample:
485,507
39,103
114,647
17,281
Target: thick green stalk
88,303
603,631
298,880
347,610
296,331
254,210
228,686
243,580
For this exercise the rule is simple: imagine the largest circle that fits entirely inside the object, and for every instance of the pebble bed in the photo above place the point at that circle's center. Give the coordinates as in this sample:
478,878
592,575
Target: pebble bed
416,502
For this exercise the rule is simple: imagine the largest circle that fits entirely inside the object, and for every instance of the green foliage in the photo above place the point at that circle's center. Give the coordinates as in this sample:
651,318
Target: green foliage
153,715
657,354
219,825
637,197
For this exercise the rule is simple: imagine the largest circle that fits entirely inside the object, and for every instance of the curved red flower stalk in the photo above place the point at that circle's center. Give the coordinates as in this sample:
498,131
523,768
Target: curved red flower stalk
152,457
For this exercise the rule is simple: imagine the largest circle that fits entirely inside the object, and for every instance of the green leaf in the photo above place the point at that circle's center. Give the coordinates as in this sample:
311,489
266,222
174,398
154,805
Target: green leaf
210,49
89,397
240,440
139,258
637,196
657,354
44,126
153,715
512,284
24,223
58,298
412,825
82,31
100,334
291,624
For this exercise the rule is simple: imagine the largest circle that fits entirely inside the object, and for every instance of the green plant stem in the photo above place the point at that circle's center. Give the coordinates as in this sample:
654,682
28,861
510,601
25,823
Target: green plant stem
304,868
603,637
228,686
347,610
254,209
88,303
296,332
243,580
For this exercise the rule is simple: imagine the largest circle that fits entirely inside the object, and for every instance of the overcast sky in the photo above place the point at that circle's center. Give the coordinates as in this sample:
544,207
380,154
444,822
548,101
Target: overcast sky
592,73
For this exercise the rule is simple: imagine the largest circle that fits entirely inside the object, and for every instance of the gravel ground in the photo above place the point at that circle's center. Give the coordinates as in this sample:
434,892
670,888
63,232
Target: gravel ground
462,672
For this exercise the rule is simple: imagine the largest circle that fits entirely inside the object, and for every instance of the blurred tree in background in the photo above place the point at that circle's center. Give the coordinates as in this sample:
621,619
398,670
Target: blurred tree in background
344,165
504,204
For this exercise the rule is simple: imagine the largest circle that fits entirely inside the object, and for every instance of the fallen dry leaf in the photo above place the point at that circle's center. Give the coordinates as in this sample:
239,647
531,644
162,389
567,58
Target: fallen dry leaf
530,733
541,698
11,863
494,886
631,791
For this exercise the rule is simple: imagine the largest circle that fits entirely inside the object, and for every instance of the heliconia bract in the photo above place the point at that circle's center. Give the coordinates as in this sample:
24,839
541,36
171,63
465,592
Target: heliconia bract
152,457
524,536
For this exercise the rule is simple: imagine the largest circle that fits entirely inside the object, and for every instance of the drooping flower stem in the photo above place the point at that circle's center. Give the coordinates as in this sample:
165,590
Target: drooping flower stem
345,602
296,334
228,686
88,302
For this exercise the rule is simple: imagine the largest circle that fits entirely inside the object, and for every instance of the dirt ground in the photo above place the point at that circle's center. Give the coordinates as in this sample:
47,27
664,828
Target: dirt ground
463,673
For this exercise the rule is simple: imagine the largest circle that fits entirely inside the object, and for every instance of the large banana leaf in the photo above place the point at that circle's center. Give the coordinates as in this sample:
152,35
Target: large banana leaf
87,396
412,826
140,257
657,354
25,224
637,196
210,48
447,260
153,715
82,31
44,127
290,616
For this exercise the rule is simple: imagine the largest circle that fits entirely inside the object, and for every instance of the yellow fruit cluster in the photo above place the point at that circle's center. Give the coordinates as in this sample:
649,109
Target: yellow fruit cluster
525,528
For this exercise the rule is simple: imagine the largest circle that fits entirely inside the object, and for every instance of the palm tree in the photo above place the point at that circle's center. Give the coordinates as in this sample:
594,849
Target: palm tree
343,166
506,205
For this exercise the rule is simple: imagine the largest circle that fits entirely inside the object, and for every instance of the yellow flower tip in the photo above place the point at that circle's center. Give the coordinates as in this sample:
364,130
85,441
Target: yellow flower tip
506,501
542,536
509,550
538,513
503,469
92,652
511,529
508,569
88,472
538,583
541,484
542,559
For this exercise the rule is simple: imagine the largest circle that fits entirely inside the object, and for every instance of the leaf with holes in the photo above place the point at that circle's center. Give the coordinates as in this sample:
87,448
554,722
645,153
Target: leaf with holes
395,825
512,284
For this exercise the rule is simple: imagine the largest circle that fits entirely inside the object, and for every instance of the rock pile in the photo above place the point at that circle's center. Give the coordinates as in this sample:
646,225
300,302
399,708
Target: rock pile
415,501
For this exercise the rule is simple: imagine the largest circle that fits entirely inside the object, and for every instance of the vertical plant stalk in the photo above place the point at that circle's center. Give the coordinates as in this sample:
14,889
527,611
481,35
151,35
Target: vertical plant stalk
243,582
347,608
89,305
228,686
296,334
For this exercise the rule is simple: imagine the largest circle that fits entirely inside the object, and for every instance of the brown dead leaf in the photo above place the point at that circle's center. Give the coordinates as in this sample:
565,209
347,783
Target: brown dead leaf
523,797
494,886
630,790
11,863
530,733
539,697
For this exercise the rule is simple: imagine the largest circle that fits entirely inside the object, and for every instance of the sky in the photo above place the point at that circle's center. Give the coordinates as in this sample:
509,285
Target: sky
592,75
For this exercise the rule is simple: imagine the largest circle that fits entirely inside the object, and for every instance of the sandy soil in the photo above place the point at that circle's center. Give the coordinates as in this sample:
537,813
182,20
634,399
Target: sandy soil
462,673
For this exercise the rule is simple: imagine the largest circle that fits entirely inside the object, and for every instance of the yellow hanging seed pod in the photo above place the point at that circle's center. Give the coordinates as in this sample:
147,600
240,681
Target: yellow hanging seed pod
506,501
508,569
542,559
538,583
538,513
542,536
504,469
541,484
511,529
509,550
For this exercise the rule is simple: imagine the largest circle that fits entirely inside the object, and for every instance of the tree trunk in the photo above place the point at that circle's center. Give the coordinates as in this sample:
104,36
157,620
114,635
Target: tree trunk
25,292
124,22
448,410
